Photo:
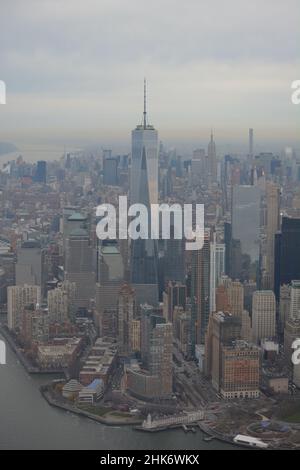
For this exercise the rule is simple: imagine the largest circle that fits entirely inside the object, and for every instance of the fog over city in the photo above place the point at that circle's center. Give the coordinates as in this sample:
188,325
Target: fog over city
149,228
74,74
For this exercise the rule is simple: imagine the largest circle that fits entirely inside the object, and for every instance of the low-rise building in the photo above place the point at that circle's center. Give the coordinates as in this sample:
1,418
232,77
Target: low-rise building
92,393
279,385
101,361
60,354
71,389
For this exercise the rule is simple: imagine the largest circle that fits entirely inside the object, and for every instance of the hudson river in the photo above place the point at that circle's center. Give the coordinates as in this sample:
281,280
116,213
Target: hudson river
28,422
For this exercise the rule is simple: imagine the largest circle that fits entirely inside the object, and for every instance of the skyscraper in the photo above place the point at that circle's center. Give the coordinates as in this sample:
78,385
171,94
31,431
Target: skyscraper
72,220
217,268
144,254
17,298
272,227
245,230
212,158
79,267
29,267
34,325
200,292
144,142
110,170
175,296
41,172
156,348
126,305
240,372
173,258
61,302
295,301
287,253
223,328
263,315
235,292
251,143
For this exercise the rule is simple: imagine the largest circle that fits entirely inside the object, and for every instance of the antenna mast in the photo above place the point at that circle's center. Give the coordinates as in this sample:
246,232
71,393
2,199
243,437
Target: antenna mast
145,104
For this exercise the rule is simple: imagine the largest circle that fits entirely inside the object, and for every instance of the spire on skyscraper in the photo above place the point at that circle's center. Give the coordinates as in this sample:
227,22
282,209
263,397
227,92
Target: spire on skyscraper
145,104
212,157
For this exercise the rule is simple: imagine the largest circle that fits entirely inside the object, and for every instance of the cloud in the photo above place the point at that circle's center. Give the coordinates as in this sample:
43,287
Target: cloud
76,63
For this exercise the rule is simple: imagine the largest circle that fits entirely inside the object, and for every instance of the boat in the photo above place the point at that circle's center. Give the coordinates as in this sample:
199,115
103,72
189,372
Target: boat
249,441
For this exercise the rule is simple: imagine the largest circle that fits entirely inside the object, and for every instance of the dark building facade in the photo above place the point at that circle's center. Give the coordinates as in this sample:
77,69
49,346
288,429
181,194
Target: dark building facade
41,172
287,253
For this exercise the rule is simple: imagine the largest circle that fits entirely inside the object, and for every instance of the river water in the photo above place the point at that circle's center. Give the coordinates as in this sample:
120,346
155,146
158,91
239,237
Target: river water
28,422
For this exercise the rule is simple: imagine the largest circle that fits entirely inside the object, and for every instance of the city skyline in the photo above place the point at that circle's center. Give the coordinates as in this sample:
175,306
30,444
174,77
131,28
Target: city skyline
149,227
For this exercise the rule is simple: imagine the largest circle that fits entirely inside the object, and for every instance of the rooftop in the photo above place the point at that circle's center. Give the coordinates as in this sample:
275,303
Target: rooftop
77,217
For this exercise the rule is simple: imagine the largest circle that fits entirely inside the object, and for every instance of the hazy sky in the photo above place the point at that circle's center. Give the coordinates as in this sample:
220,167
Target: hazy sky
74,69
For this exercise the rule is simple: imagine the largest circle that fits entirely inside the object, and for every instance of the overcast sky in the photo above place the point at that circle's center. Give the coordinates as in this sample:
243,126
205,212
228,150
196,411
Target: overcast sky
74,69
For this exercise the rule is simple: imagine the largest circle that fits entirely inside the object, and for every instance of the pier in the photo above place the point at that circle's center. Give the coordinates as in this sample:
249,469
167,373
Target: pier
175,421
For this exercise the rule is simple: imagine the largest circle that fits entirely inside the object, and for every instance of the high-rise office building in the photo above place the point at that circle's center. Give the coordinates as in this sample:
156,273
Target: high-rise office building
144,190
182,330
284,306
200,292
110,263
199,165
144,143
29,267
17,298
110,269
287,253
246,327
136,335
173,257
263,315
231,296
222,301
251,144
240,373
79,267
174,296
212,159
272,227
217,268
144,252
154,380
110,171
61,302
156,348
295,300
235,292
245,231
72,220
41,172
223,328
126,307
34,325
